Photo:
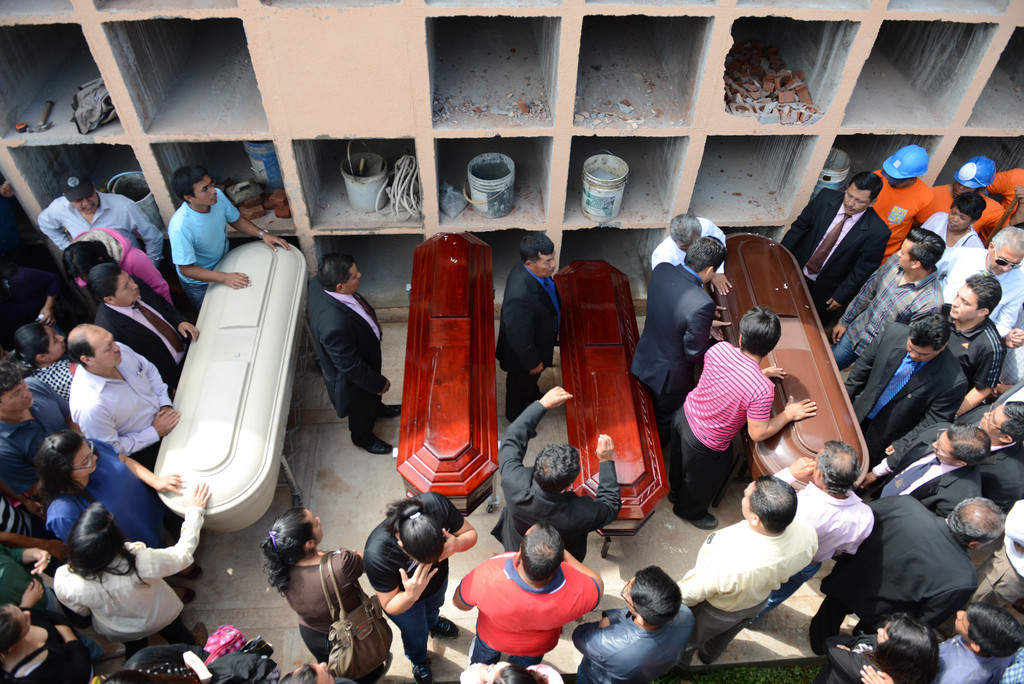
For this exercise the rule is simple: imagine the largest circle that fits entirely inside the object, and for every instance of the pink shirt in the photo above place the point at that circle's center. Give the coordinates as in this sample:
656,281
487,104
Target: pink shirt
731,391
352,303
137,316
847,227
841,524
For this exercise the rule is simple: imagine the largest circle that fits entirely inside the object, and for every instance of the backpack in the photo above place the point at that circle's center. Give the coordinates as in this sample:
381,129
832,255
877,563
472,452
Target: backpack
91,106
225,639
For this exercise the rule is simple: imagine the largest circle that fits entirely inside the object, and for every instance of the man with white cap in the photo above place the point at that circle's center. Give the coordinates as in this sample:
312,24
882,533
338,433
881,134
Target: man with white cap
81,208
904,196
972,177
1001,578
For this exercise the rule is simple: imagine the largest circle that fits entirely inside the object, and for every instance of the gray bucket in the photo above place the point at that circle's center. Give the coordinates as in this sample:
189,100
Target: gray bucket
604,182
833,176
491,180
132,184
363,187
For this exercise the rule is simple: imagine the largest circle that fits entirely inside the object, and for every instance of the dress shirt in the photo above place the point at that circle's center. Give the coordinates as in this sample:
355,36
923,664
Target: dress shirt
137,316
967,262
841,524
1013,537
120,412
851,221
668,250
937,470
353,303
116,212
883,300
960,665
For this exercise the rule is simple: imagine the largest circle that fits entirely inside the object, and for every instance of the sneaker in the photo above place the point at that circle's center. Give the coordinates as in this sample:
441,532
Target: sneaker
421,673
445,629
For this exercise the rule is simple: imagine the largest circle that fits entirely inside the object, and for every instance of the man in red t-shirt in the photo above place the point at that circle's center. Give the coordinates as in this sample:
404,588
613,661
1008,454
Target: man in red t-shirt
525,598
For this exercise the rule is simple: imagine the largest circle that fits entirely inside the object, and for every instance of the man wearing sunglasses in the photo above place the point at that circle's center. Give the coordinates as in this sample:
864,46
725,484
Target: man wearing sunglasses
1001,259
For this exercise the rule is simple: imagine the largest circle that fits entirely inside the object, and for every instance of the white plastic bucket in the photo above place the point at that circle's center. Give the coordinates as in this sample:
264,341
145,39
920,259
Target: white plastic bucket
263,161
604,181
363,186
492,177
833,176
132,184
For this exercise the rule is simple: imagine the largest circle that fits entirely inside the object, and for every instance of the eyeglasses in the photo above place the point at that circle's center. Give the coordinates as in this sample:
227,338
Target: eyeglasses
622,594
1004,263
92,457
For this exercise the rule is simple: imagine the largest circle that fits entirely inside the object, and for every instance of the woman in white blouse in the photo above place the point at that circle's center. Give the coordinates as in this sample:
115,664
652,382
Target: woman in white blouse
121,584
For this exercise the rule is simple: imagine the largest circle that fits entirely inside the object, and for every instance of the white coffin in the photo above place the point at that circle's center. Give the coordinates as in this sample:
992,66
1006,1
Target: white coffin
236,387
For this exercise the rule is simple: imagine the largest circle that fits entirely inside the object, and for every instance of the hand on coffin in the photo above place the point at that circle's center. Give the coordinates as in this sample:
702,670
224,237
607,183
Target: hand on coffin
415,585
869,479
720,284
605,448
773,372
556,396
169,483
236,281
186,329
200,496
803,468
799,410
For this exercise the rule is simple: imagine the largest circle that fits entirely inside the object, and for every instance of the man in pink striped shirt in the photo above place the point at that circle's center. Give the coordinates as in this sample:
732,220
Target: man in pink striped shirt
733,391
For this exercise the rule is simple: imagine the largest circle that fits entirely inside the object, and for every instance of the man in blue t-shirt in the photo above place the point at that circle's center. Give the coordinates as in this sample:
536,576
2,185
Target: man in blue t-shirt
198,233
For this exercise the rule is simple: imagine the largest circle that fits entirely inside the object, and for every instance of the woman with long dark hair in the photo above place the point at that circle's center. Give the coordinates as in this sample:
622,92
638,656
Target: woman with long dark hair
292,560
43,351
905,650
107,246
406,560
121,584
39,646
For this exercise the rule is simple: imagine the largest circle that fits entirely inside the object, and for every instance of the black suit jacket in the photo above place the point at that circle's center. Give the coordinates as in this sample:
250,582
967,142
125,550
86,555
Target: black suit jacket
941,494
140,338
349,350
529,324
910,562
526,503
855,257
1002,479
675,337
932,395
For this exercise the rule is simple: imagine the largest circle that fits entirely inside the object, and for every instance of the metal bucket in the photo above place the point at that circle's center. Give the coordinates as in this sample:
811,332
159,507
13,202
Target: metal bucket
132,184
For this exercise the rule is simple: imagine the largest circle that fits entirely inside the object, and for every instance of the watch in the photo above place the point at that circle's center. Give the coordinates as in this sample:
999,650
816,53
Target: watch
262,231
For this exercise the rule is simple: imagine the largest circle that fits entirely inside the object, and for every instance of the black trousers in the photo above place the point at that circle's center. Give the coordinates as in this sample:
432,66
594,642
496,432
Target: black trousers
695,472
175,633
827,622
521,390
665,408
362,413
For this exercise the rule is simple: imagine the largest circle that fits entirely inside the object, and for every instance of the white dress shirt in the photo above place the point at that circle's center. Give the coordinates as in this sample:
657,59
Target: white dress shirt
967,261
116,212
669,251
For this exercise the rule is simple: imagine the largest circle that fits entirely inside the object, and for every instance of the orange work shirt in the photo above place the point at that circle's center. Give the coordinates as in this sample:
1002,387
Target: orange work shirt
899,208
1004,184
942,200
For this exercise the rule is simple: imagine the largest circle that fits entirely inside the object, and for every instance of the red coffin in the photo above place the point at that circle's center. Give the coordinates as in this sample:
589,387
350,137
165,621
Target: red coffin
597,340
449,433
764,273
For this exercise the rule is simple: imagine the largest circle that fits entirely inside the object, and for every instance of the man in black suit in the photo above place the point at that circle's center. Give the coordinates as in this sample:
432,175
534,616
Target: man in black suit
137,316
1002,478
906,378
940,473
542,492
839,241
679,318
913,561
348,338
529,323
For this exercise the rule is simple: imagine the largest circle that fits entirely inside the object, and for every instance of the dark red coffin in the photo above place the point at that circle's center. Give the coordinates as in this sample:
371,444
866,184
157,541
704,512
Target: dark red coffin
597,340
764,273
449,433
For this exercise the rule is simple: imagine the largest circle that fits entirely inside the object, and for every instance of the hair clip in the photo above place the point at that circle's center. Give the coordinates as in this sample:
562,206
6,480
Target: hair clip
273,539
415,515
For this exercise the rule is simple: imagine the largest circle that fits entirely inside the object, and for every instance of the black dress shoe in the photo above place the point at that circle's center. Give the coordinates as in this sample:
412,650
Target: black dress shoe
377,446
389,411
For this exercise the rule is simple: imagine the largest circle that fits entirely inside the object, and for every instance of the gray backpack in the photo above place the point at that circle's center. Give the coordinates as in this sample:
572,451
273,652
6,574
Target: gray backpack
91,106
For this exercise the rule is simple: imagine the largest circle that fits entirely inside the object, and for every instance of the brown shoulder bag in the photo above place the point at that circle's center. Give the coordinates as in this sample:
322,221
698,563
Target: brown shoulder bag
360,640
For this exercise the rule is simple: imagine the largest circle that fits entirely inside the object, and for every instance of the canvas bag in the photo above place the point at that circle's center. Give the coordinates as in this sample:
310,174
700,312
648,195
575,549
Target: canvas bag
91,106
360,640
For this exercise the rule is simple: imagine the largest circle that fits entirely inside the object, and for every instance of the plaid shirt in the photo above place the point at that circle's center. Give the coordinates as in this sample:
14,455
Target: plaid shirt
883,300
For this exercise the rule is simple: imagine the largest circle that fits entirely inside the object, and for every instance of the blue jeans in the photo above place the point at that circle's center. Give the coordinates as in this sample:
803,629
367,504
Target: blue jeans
415,624
195,292
480,652
843,352
788,588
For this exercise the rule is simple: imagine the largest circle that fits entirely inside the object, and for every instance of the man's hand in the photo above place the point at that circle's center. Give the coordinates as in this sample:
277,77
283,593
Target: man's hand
832,305
33,592
773,372
837,333
538,369
720,284
868,480
555,397
186,329
387,386
236,281
415,585
799,410
803,468
6,190
890,450
274,242
170,483
605,448
1014,338
165,420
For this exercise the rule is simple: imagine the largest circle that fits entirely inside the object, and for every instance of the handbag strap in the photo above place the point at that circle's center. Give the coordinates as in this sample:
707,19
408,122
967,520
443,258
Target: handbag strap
325,562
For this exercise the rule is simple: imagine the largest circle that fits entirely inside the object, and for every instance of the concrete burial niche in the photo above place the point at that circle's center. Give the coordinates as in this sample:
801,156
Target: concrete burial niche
1001,104
743,179
384,260
189,77
40,63
917,74
654,167
41,166
492,72
1007,153
323,187
639,70
807,4
143,5
972,7
628,250
867,152
34,8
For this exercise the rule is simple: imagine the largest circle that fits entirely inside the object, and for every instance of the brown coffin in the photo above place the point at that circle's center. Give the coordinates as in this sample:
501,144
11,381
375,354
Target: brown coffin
449,433
764,273
598,336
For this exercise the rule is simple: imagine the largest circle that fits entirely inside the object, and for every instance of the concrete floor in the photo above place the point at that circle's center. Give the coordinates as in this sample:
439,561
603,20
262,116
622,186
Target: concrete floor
349,488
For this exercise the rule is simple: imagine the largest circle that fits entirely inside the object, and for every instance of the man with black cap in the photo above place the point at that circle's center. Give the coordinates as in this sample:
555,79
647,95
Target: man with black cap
81,208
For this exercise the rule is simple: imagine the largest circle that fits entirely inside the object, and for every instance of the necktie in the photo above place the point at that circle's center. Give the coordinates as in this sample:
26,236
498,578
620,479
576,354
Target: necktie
817,259
369,312
162,327
549,285
902,481
899,380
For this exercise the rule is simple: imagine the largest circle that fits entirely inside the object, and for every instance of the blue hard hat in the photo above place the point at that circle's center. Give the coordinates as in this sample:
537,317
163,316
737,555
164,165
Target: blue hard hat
978,172
908,162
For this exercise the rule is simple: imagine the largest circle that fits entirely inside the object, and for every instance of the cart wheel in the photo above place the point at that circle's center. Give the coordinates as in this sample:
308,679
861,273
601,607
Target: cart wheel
490,507
297,500
604,547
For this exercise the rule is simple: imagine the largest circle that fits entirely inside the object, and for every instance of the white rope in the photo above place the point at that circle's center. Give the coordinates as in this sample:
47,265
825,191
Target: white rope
404,191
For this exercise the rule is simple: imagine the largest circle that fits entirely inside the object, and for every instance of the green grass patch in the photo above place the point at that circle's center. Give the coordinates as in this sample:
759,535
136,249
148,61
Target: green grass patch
799,674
